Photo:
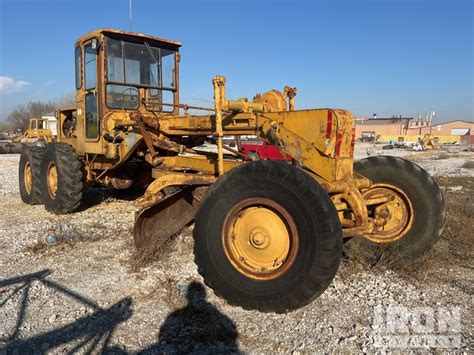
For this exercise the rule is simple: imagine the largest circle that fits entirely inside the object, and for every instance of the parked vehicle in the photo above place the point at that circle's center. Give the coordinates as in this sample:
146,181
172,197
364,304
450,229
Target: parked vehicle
263,150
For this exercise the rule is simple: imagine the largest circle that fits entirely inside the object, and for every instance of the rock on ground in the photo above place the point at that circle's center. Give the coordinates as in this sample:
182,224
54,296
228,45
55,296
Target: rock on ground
70,283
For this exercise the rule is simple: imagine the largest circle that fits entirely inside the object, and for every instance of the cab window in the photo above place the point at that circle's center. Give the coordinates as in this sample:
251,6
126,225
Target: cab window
78,61
91,114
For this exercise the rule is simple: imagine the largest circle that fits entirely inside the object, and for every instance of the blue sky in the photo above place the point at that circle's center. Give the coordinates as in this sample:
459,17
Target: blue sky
369,56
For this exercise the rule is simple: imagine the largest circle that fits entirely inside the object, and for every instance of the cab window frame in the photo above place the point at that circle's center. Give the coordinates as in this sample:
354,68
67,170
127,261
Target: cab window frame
92,134
78,67
142,88
108,88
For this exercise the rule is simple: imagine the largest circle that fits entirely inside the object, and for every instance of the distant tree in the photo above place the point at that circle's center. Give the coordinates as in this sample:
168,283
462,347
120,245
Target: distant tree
20,116
5,128
66,100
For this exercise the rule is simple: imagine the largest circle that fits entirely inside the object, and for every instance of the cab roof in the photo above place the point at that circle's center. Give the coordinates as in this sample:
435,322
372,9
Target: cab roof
132,35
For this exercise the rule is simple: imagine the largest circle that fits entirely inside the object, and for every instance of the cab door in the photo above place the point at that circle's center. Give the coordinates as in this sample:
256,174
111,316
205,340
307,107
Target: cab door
91,113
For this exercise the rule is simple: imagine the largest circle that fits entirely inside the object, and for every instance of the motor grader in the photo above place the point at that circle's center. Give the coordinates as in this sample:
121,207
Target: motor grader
38,133
268,235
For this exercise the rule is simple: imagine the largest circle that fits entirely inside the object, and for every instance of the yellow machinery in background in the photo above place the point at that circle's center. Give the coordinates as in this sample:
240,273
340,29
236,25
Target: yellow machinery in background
268,235
38,133
429,142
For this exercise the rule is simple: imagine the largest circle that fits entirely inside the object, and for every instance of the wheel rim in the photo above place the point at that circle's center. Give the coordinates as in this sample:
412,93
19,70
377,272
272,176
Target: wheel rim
52,180
260,238
28,178
397,214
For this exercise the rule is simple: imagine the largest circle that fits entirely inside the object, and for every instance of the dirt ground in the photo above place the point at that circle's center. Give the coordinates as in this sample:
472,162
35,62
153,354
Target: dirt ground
69,283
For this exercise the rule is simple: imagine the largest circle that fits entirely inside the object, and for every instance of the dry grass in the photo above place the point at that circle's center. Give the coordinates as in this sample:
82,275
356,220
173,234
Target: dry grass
66,238
143,258
468,164
454,249
154,252
442,156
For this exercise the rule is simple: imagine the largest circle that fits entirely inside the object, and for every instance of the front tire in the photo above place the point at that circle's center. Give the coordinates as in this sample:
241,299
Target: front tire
429,210
267,237
29,175
61,179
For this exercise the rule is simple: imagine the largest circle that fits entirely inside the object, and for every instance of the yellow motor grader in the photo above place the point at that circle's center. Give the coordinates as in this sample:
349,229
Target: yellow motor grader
38,133
268,235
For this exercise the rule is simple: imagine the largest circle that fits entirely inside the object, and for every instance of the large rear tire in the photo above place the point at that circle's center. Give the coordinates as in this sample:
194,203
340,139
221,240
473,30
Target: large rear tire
61,179
429,210
267,237
29,175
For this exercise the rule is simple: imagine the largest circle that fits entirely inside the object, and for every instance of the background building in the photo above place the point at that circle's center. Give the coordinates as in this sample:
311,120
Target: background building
52,123
406,129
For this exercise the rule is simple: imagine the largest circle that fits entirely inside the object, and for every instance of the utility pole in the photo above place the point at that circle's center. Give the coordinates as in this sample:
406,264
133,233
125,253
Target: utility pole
432,114
130,15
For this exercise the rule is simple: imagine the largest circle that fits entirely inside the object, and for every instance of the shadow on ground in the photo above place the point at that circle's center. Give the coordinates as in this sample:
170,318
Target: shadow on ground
198,327
94,196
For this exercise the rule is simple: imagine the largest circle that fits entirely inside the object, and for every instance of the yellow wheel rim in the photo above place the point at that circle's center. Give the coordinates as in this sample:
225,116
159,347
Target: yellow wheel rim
260,238
52,180
395,217
28,178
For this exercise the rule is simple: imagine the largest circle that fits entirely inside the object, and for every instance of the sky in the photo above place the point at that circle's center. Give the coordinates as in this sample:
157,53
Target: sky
390,57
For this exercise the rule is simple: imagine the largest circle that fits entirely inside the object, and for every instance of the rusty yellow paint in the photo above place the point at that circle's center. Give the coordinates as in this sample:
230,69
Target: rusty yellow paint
219,84
52,180
165,178
28,178
104,31
393,217
260,238
301,134
274,100
202,163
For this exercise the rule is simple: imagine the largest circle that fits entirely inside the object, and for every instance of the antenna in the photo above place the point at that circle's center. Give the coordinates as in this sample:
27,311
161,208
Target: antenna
130,15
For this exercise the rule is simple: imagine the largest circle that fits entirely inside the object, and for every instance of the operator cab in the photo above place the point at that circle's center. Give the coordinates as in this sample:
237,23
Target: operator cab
38,124
126,72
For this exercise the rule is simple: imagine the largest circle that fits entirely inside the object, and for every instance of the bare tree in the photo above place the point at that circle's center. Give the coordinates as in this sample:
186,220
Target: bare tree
5,128
19,117
66,100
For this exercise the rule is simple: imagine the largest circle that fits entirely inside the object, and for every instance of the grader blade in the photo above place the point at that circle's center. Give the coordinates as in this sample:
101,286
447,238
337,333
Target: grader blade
155,225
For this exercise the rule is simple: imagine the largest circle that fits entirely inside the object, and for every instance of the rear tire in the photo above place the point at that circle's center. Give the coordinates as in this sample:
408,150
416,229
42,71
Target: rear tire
61,179
29,175
287,197
423,192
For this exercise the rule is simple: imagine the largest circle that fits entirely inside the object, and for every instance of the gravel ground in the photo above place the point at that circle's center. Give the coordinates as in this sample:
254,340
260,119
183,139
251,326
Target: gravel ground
447,161
70,283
